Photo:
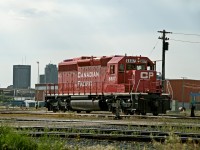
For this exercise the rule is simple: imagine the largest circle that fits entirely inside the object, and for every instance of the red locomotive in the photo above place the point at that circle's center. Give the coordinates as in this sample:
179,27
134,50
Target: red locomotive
106,83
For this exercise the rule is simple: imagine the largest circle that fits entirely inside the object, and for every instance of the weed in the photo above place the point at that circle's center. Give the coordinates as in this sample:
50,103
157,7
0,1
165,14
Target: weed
173,141
10,140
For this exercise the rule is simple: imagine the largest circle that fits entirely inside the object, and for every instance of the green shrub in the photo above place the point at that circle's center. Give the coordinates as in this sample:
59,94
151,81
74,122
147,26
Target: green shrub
10,140
4,98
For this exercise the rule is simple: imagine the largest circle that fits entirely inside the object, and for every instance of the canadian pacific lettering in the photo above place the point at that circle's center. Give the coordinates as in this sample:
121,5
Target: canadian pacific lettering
88,74
84,83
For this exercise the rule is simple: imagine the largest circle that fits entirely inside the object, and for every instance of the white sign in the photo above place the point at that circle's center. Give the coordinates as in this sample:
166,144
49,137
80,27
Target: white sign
112,78
130,60
146,75
88,74
84,83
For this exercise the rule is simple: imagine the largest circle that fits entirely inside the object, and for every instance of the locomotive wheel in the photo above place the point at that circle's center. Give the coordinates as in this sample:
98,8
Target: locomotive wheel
143,113
155,113
109,108
126,112
49,108
131,113
78,111
88,111
114,111
137,112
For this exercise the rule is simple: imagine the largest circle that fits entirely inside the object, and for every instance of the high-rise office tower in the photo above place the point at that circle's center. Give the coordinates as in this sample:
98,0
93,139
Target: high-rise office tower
42,78
51,74
21,76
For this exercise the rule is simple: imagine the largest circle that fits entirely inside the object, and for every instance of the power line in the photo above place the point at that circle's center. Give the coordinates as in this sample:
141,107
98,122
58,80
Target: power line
187,34
186,86
192,85
184,41
153,48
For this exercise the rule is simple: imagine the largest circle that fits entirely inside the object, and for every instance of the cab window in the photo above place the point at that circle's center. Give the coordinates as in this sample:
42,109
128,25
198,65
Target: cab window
130,67
140,67
121,67
112,69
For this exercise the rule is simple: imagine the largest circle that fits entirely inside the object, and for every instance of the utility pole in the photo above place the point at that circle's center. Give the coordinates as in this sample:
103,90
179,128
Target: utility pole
183,94
164,48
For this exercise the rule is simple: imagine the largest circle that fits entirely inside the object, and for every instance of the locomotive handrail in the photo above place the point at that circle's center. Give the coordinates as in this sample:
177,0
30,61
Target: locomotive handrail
169,86
76,88
131,89
83,89
139,83
96,87
51,89
150,83
68,88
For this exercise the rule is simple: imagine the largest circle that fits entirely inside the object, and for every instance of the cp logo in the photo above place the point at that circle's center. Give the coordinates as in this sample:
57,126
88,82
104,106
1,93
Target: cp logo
146,75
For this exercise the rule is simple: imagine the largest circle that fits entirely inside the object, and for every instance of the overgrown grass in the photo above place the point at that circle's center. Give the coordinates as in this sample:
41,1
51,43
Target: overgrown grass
50,143
173,142
11,140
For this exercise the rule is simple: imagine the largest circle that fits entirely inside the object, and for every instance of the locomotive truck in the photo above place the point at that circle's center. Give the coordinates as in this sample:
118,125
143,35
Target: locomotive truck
108,83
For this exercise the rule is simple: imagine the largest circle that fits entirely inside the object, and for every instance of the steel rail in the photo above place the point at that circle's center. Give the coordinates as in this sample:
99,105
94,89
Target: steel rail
107,131
102,122
100,115
114,137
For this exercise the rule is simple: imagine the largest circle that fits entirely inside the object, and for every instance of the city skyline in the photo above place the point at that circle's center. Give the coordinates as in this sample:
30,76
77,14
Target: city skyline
52,31
21,75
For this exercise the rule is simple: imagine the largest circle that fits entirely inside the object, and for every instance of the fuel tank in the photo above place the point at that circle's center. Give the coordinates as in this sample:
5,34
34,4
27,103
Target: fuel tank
88,105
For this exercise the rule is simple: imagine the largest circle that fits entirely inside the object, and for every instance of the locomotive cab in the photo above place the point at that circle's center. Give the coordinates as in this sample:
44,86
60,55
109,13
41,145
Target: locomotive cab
132,74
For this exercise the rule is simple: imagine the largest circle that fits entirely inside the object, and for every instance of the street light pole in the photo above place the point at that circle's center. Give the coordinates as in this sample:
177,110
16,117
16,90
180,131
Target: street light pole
183,84
38,73
38,83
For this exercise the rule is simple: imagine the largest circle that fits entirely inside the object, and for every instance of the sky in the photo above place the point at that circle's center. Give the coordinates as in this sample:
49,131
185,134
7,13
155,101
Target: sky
50,31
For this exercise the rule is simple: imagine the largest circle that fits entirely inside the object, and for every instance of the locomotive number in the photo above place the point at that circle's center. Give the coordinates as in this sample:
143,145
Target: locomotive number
146,75
112,78
130,60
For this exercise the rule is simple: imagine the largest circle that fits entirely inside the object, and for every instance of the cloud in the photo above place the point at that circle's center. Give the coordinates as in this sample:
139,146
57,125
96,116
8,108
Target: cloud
49,30
33,12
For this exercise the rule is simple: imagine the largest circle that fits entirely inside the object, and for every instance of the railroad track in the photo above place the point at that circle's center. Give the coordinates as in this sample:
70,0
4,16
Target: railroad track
102,129
140,116
121,124
106,134
99,115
